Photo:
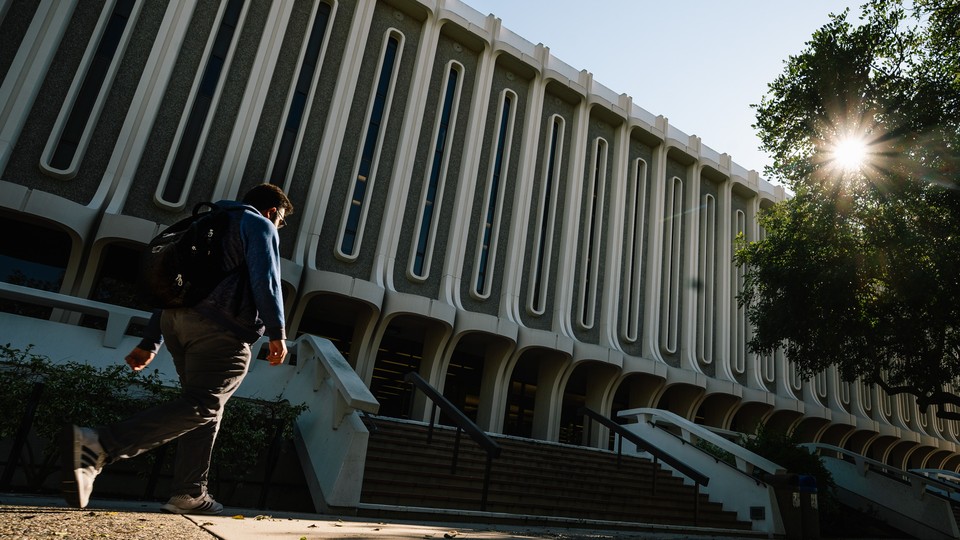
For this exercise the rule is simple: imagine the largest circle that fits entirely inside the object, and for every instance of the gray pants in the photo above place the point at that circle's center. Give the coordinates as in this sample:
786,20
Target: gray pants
211,363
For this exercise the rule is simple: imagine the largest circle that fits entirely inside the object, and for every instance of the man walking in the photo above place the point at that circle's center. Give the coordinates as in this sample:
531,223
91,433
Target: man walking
210,345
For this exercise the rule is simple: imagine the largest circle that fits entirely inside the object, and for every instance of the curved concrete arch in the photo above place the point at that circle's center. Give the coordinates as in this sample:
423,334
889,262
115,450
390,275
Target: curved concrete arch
952,463
750,415
496,351
898,453
527,340
877,447
717,410
835,434
785,421
859,440
681,399
917,456
810,429
936,459
597,382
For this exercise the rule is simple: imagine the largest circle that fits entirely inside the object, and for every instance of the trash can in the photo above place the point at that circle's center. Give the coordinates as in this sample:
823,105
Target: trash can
809,507
786,487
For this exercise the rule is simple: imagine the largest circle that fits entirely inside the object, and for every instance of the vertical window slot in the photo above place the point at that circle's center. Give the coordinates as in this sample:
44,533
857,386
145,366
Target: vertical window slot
82,109
591,236
708,276
633,256
540,271
298,106
433,189
363,179
673,234
486,254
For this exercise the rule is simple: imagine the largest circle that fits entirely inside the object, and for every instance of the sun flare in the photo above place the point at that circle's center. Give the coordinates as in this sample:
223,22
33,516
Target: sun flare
850,153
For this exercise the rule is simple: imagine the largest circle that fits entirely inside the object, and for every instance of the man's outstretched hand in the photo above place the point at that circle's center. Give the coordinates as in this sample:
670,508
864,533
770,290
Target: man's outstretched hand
139,358
278,351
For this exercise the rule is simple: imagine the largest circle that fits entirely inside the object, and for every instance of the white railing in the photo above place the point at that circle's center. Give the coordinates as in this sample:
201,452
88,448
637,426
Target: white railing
746,461
741,487
913,503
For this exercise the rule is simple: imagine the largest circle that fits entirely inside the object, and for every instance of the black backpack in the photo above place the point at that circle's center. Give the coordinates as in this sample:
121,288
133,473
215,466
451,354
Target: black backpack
184,263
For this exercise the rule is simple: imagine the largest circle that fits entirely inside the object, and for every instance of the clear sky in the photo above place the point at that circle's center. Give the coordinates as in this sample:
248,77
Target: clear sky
700,63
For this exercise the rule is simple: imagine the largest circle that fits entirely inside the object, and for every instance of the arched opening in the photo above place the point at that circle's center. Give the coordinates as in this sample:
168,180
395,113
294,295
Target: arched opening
464,377
521,396
22,263
400,351
337,318
586,386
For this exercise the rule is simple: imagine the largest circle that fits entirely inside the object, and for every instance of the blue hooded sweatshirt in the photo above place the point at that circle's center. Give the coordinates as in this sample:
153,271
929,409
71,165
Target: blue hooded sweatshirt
249,302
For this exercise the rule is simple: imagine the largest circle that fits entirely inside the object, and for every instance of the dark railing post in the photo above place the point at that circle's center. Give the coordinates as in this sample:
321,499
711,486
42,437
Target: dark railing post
696,504
26,422
486,482
589,428
433,420
456,451
656,469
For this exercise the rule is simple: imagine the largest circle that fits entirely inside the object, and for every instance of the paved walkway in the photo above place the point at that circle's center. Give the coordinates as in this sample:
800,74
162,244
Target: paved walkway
34,517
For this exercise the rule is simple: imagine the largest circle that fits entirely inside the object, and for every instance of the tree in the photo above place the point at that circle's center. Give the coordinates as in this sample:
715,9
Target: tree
860,268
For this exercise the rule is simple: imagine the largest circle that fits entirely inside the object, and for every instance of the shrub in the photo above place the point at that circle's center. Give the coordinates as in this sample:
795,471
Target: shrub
783,449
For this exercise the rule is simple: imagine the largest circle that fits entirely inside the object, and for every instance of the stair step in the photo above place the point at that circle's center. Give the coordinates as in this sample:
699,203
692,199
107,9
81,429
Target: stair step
528,478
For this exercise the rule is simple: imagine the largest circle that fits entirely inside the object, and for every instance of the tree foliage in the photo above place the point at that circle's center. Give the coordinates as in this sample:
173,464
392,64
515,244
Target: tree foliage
860,268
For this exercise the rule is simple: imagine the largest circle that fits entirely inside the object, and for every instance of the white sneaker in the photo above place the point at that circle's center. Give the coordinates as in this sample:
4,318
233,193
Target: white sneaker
82,458
185,504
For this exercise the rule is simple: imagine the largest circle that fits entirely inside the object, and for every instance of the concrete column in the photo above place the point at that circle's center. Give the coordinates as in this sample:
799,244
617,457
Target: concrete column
654,267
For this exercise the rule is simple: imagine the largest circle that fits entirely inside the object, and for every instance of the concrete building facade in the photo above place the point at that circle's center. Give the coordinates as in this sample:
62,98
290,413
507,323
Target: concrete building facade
468,207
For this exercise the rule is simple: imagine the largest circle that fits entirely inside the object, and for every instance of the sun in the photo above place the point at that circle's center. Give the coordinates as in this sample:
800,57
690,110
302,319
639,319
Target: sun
849,153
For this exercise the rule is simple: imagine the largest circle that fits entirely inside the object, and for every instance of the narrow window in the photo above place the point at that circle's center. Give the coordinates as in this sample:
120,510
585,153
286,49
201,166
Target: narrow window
884,401
708,275
739,322
591,236
489,233
540,271
866,395
796,383
363,180
844,392
433,190
672,235
83,105
768,367
906,407
768,361
820,384
172,192
298,106
633,226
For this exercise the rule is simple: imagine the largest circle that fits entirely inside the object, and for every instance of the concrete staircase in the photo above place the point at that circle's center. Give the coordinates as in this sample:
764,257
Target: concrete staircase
557,483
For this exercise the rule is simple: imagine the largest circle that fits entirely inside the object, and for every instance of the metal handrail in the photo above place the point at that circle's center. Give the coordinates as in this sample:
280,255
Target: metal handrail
462,423
699,479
